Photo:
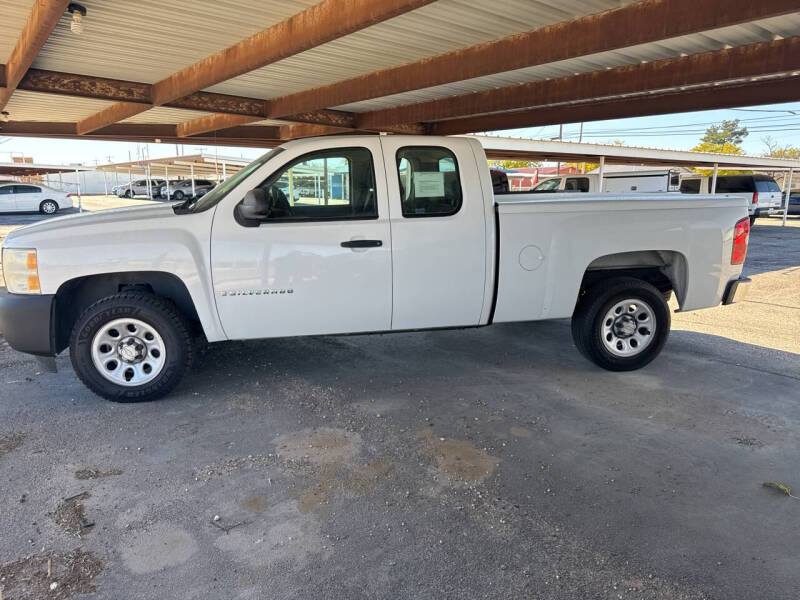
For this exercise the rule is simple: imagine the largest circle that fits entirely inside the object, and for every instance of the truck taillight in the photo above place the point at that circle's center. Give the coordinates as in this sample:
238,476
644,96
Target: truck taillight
69,195
755,197
741,235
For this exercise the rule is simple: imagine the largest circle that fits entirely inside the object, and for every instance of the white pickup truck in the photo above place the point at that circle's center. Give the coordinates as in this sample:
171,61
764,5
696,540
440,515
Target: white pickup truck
615,182
353,234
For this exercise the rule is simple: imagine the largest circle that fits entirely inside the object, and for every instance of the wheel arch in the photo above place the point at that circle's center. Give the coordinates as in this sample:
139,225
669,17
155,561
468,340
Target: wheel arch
667,270
75,295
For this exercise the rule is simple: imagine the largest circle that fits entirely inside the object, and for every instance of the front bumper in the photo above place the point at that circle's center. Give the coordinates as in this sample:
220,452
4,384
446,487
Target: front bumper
26,322
736,290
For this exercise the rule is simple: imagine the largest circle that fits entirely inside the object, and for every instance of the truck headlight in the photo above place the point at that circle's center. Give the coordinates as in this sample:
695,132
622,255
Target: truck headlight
21,271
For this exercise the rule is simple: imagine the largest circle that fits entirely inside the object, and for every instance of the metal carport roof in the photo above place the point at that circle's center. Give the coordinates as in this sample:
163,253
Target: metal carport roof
14,169
255,73
198,164
548,150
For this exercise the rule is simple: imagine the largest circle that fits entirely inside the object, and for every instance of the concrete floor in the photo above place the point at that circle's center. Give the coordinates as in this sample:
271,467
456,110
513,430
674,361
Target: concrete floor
487,463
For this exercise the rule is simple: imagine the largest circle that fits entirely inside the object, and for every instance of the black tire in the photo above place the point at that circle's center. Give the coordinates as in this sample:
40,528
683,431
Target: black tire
48,207
587,322
160,314
179,195
128,194
752,220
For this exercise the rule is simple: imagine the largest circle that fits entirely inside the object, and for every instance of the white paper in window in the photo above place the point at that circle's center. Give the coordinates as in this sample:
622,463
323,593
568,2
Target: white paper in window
429,185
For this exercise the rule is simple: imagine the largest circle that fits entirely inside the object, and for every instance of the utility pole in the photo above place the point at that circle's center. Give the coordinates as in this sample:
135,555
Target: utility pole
560,135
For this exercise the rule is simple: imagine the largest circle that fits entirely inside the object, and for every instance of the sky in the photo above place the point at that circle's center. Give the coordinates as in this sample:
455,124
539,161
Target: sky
675,132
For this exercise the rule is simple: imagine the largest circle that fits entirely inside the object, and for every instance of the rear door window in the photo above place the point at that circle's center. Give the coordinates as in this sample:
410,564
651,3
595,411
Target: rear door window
690,186
577,184
429,181
735,185
767,185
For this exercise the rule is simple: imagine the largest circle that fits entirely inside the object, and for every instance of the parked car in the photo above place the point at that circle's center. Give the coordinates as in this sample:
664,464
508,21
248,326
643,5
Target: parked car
414,240
139,188
120,188
653,180
762,192
182,189
28,197
794,204
161,192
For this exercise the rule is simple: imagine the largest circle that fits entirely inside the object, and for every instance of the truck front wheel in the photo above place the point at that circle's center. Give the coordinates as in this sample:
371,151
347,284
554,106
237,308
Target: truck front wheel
621,324
131,347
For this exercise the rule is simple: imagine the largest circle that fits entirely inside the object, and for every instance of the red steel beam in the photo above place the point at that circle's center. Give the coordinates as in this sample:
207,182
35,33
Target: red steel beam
254,135
324,22
212,123
784,89
42,19
765,58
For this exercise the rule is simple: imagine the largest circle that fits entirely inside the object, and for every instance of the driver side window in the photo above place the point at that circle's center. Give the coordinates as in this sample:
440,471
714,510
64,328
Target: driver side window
331,184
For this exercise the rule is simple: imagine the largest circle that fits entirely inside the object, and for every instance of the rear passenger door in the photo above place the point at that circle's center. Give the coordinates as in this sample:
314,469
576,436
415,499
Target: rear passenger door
438,223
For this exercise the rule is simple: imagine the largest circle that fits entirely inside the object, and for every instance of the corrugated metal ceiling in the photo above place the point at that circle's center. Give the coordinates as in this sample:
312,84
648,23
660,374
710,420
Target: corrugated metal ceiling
757,31
33,106
165,115
15,13
437,28
147,40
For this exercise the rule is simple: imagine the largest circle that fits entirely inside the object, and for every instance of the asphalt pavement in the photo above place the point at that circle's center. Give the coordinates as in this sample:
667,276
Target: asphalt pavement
485,463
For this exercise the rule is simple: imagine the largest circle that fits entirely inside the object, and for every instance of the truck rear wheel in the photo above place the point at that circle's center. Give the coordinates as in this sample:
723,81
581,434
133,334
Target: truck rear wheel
131,347
621,324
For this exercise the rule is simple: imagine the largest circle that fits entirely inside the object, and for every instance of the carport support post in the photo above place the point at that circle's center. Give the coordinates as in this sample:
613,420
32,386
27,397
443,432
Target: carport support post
191,174
601,170
713,189
80,200
788,193
105,184
166,176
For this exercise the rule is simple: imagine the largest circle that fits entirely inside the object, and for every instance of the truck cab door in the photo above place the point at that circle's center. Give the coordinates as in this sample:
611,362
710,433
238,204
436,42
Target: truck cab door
439,233
319,261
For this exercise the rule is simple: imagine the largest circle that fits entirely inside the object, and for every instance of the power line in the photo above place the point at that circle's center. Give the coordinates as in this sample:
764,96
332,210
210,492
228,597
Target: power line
685,125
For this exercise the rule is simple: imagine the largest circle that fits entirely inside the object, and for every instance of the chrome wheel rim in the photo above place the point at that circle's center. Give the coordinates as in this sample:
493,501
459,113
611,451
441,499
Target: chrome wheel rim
628,328
128,352
49,208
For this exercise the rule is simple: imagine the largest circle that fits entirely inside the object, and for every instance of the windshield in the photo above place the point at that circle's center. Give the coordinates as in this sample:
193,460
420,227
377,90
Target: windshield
219,192
548,185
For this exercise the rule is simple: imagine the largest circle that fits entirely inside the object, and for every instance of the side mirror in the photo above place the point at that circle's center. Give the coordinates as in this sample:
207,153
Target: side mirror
254,206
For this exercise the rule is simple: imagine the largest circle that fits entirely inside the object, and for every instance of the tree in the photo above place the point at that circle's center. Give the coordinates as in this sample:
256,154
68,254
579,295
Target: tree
774,150
727,132
512,164
718,148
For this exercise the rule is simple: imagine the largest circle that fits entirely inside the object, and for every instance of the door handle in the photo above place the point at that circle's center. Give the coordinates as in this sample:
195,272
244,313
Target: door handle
362,244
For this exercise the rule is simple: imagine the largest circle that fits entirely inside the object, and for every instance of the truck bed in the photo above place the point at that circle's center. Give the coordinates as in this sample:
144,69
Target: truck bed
549,241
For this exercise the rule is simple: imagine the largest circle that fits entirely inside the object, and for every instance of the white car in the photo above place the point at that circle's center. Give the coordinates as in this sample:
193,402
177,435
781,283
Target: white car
29,197
399,233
